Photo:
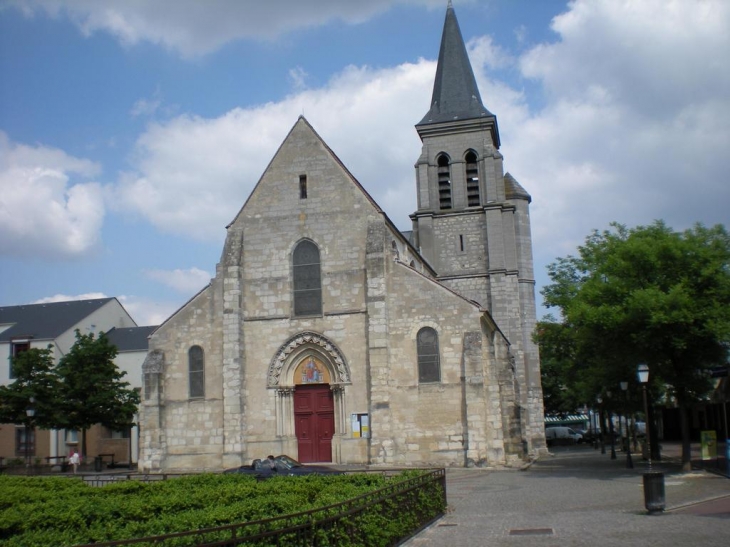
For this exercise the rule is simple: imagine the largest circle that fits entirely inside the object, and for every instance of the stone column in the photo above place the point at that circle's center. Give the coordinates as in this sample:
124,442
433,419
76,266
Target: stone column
381,435
230,272
151,412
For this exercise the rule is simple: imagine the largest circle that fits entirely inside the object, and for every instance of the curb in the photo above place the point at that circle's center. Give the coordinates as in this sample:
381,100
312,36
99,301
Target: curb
693,503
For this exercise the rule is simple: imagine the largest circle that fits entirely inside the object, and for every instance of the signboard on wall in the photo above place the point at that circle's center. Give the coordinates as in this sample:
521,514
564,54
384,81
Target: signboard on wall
360,423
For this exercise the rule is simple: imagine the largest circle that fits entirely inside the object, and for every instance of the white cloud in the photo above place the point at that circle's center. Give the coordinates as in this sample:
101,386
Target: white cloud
195,28
41,211
185,281
146,311
298,77
68,298
145,107
635,123
193,174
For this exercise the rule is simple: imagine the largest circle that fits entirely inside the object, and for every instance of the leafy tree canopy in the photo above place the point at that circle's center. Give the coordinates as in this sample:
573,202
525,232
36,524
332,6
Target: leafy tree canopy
93,390
36,379
647,294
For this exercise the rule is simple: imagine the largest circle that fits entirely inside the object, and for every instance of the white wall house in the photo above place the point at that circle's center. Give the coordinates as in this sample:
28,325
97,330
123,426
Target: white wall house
55,324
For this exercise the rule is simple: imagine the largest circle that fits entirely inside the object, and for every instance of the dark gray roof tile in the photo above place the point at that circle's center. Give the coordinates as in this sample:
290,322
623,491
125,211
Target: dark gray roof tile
130,338
45,321
455,92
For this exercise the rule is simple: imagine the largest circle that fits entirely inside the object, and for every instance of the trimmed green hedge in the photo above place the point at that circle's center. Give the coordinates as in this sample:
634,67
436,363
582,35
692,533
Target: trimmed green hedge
43,511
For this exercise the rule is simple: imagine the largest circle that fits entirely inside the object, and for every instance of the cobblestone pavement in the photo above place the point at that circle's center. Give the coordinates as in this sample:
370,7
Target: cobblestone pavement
578,496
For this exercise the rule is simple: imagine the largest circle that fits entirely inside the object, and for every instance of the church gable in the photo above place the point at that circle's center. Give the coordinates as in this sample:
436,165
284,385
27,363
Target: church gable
306,204
304,177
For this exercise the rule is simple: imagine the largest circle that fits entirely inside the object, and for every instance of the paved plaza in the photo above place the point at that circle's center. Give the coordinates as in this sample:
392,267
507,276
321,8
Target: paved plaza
578,496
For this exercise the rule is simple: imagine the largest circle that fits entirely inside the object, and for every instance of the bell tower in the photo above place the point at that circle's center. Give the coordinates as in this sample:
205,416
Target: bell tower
473,220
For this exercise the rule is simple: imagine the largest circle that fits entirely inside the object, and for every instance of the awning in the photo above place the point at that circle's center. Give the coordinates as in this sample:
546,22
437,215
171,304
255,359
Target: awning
569,419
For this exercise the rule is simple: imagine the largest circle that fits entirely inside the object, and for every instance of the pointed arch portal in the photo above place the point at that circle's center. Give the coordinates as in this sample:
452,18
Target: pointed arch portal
309,374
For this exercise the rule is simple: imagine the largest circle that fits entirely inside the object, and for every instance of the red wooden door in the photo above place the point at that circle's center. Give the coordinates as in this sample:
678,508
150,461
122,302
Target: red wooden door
314,422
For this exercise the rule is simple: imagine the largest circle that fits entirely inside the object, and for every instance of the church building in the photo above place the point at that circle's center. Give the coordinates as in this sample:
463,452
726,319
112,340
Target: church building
329,335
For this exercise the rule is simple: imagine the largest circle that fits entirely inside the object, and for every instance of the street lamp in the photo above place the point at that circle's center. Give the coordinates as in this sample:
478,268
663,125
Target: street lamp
642,372
30,412
653,480
629,461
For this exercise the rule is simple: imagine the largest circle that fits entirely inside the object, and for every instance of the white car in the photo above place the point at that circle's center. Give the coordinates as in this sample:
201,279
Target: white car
562,435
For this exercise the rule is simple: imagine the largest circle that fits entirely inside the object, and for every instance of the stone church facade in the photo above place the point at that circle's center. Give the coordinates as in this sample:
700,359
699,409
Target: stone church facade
329,335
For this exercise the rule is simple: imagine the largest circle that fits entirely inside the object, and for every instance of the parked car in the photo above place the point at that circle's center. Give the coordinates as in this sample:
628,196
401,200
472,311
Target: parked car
281,466
562,435
591,436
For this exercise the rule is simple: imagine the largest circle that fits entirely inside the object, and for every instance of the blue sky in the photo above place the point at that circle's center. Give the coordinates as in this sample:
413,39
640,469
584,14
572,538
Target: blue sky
132,132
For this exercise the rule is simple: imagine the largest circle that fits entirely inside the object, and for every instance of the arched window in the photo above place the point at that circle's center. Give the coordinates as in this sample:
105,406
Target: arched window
307,279
427,343
444,178
196,372
472,179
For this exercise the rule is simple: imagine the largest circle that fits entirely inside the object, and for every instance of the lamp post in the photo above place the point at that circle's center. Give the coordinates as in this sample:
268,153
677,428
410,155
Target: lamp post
653,480
30,412
629,461
642,373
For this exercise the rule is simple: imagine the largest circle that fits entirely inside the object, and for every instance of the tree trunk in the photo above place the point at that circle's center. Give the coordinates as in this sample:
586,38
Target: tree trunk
686,448
84,453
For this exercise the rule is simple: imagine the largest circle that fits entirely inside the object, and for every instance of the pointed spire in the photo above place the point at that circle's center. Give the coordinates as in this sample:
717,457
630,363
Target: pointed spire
455,92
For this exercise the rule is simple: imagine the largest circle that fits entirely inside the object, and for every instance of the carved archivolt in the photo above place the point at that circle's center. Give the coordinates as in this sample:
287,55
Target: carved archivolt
312,339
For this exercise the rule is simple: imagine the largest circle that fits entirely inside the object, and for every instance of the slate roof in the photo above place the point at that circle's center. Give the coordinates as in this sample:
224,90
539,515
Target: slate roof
455,92
514,189
45,321
130,338
408,234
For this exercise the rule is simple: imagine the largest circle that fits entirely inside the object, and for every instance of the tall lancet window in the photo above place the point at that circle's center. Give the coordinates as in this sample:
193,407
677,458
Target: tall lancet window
196,372
427,346
444,177
472,179
307,279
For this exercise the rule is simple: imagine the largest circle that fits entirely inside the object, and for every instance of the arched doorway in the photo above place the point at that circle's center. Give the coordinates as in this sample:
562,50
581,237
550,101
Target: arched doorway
309,375
314,410
314,422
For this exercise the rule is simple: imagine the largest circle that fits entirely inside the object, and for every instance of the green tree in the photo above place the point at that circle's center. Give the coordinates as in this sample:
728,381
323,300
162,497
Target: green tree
561,394
36,386
92,388
648,294
34,378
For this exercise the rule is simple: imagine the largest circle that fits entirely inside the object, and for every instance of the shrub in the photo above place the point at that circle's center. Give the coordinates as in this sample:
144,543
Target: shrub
42,511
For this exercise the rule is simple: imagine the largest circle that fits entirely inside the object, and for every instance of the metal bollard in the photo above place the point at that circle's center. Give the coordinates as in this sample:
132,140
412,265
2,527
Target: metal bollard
654,499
